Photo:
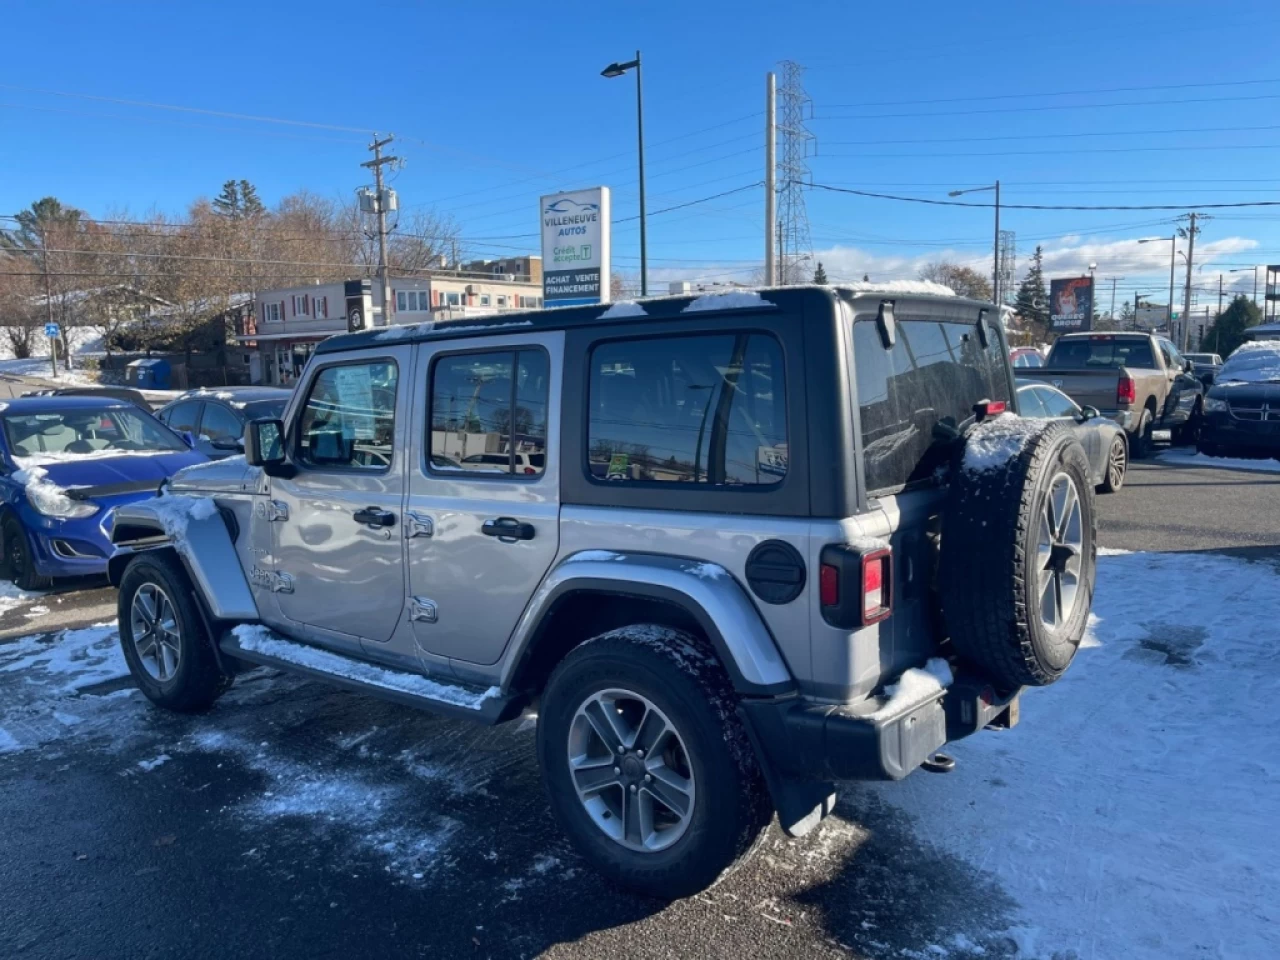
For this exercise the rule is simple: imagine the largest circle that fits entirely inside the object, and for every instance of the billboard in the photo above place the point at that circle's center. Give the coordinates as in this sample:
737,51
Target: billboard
575,247
1071,304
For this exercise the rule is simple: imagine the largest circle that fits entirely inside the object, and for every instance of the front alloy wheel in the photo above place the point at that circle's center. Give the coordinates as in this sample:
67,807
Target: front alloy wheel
631,770
156,635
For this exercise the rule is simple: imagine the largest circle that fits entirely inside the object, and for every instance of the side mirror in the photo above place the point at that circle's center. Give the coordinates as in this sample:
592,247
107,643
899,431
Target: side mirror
228,443
1089,413
189,439
1188,366
264,443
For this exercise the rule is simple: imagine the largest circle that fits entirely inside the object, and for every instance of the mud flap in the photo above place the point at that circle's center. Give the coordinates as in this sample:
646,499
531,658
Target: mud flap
800,804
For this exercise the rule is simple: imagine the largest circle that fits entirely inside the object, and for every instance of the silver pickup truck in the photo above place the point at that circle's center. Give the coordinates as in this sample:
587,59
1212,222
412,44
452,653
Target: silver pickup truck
1137,379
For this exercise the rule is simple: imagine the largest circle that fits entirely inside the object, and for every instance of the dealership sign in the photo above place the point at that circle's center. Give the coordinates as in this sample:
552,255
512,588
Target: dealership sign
575,247
1071,304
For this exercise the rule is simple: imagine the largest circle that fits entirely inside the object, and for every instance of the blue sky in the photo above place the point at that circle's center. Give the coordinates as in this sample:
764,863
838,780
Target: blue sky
492,105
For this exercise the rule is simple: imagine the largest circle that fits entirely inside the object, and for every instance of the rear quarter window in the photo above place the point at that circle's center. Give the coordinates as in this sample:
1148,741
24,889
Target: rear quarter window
934,374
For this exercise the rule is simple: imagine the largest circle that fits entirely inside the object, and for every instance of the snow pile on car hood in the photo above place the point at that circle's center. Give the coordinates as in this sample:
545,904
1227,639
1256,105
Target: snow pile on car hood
1252,363
45,495
994,442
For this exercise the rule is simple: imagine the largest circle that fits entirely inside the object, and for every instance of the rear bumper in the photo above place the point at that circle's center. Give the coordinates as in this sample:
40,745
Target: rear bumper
811,741
1125,418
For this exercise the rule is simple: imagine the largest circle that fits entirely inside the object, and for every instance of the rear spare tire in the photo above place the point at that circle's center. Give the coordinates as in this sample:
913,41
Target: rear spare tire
1018,551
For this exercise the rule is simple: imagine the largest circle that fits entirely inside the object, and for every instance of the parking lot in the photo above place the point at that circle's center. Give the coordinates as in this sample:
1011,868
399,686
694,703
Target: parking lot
1128,815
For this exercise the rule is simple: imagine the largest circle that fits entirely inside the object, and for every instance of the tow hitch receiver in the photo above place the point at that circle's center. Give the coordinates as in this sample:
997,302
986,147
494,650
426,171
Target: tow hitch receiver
939,763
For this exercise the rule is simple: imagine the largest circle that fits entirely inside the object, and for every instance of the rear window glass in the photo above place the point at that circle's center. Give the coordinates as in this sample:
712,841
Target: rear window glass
1089,354
695,409
935,373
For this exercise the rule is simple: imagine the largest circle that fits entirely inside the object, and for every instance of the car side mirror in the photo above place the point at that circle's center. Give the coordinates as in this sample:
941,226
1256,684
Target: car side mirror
264,443
189,438
1188,366
227,443
1089,413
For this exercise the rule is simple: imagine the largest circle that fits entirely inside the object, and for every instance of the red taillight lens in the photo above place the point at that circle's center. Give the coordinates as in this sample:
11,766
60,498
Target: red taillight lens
877,600
828,585
1126,390
529,471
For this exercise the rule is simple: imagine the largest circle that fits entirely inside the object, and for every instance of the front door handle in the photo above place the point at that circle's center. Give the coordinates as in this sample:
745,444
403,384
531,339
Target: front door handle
507,528
375,517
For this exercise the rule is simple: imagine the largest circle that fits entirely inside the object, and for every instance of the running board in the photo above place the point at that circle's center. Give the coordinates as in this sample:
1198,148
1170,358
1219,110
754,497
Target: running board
259,645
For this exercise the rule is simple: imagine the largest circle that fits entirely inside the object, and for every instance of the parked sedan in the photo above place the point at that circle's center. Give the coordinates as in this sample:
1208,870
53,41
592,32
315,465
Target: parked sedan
65,464
1104,440
216,418
1242,410
115,393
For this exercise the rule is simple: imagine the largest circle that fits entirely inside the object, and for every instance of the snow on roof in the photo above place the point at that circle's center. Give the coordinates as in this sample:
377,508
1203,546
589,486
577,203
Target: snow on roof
732,300
622,309
927,287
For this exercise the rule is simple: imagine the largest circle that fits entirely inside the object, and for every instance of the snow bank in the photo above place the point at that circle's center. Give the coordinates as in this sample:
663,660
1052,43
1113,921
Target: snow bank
733,300
11,597
994,442
1186,458
259,639
45,495
40,368
622,309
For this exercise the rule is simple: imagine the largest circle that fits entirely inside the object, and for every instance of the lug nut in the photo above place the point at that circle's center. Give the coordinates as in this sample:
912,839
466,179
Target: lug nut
617,769
639,753
648,778
633,788
621,748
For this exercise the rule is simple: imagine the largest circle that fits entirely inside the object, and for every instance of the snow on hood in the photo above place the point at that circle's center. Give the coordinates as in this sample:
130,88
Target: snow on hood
1252,363
994,442
46,496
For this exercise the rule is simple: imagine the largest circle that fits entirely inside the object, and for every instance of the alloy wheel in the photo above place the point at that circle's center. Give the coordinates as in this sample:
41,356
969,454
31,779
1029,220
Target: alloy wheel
1059,552
1116,464
153,622
631,770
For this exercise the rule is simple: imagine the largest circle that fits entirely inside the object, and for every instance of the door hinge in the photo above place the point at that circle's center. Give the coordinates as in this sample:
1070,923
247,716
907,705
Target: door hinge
423,610
418,525
271,510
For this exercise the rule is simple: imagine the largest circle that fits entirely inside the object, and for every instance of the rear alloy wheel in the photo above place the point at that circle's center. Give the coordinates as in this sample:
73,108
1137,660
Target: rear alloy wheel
1116,466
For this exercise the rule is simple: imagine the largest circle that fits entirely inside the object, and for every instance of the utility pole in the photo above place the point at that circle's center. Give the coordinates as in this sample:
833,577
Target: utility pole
770,175
1113,298
1219,295
48,299
1136,298
1186,302
380,203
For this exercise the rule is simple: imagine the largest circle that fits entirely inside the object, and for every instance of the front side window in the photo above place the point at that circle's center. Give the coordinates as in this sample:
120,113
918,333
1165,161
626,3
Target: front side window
219,423
349,417
183,416
489,412
934,374
706,409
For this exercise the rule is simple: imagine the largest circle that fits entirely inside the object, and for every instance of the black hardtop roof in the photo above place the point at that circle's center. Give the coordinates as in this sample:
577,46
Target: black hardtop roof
740,301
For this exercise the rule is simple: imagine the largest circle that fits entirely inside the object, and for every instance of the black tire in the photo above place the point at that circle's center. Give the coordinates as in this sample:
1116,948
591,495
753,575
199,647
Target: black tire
195,681
19,565
1141,444
1113,478
990,577
730,806
1189,432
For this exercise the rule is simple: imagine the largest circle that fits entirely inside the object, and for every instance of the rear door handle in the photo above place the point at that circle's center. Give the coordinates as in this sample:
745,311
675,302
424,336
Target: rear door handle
375,517
507,528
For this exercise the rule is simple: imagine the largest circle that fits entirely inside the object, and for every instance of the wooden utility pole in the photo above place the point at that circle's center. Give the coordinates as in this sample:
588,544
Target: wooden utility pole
380,205
1186,301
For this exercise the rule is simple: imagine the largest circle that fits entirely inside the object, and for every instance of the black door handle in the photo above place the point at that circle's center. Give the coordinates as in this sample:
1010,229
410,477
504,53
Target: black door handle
507,528
375,517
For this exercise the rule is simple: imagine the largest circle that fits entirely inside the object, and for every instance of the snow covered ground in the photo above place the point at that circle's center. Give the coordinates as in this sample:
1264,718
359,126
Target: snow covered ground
1186,457
1131,815
41,367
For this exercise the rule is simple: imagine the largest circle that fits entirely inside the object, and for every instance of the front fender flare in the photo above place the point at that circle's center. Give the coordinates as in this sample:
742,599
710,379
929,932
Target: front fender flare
706,591
203,543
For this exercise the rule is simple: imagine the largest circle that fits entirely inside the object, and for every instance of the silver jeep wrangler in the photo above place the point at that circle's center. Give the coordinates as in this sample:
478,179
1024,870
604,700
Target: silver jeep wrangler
731,549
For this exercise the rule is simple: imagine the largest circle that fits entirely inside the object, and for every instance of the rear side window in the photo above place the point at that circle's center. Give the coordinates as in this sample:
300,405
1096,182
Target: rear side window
489,413
934,374
1109,354
699,409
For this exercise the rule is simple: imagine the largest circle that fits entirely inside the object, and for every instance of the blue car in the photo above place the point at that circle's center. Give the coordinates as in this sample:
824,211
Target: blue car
65,463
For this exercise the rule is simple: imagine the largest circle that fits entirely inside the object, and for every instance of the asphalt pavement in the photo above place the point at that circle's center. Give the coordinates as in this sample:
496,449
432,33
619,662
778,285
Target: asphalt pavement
294,820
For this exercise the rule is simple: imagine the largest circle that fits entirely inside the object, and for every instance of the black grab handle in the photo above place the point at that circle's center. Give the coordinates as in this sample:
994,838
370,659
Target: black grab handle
507,528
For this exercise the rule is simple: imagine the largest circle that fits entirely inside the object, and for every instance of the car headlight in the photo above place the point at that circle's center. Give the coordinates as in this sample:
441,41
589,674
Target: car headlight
1214,405
50,499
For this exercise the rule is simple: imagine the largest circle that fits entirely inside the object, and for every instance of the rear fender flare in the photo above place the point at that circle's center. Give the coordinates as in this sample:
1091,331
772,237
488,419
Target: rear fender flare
205,548
707,592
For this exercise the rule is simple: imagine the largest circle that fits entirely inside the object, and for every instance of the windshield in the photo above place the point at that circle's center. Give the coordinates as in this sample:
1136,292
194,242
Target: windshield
85,432
1202,357
1252,366
265,409
1101,353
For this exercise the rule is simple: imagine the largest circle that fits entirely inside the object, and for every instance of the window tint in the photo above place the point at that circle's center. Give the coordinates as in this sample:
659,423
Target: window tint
1029,404
694,409
1085,354
349,419
1057,403
934,374
183,416
489,412
219,423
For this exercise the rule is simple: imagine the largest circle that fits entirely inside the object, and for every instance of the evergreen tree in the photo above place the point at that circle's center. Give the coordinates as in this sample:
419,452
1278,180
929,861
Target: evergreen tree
238,201
1227,332
1032,302
820,275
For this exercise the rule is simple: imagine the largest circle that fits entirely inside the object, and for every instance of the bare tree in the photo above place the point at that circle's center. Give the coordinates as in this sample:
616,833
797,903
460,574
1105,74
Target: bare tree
965,281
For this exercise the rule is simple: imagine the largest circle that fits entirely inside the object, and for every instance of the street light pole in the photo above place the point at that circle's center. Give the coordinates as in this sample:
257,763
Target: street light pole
617,70
995,250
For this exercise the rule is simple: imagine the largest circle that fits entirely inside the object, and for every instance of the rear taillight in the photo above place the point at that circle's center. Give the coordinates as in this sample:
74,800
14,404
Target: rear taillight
855,586
529,471
877,603
1126,389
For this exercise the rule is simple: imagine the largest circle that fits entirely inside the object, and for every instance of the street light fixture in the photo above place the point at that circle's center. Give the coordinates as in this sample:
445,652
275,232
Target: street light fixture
1173,263
995,256
617,70
1255,281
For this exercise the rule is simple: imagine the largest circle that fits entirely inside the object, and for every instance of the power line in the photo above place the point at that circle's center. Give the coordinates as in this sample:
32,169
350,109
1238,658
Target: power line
1041,206
1049,107
1032,136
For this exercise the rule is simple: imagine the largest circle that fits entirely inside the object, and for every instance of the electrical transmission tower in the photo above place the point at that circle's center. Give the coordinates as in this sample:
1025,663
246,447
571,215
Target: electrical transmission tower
1008,265
795,246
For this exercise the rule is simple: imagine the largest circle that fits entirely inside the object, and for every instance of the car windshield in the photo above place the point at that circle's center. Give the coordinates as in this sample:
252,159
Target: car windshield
1256,364
86,431
265,409
1202,357
1106,353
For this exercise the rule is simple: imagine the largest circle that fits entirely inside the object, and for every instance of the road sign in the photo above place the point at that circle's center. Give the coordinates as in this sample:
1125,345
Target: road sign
50,329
